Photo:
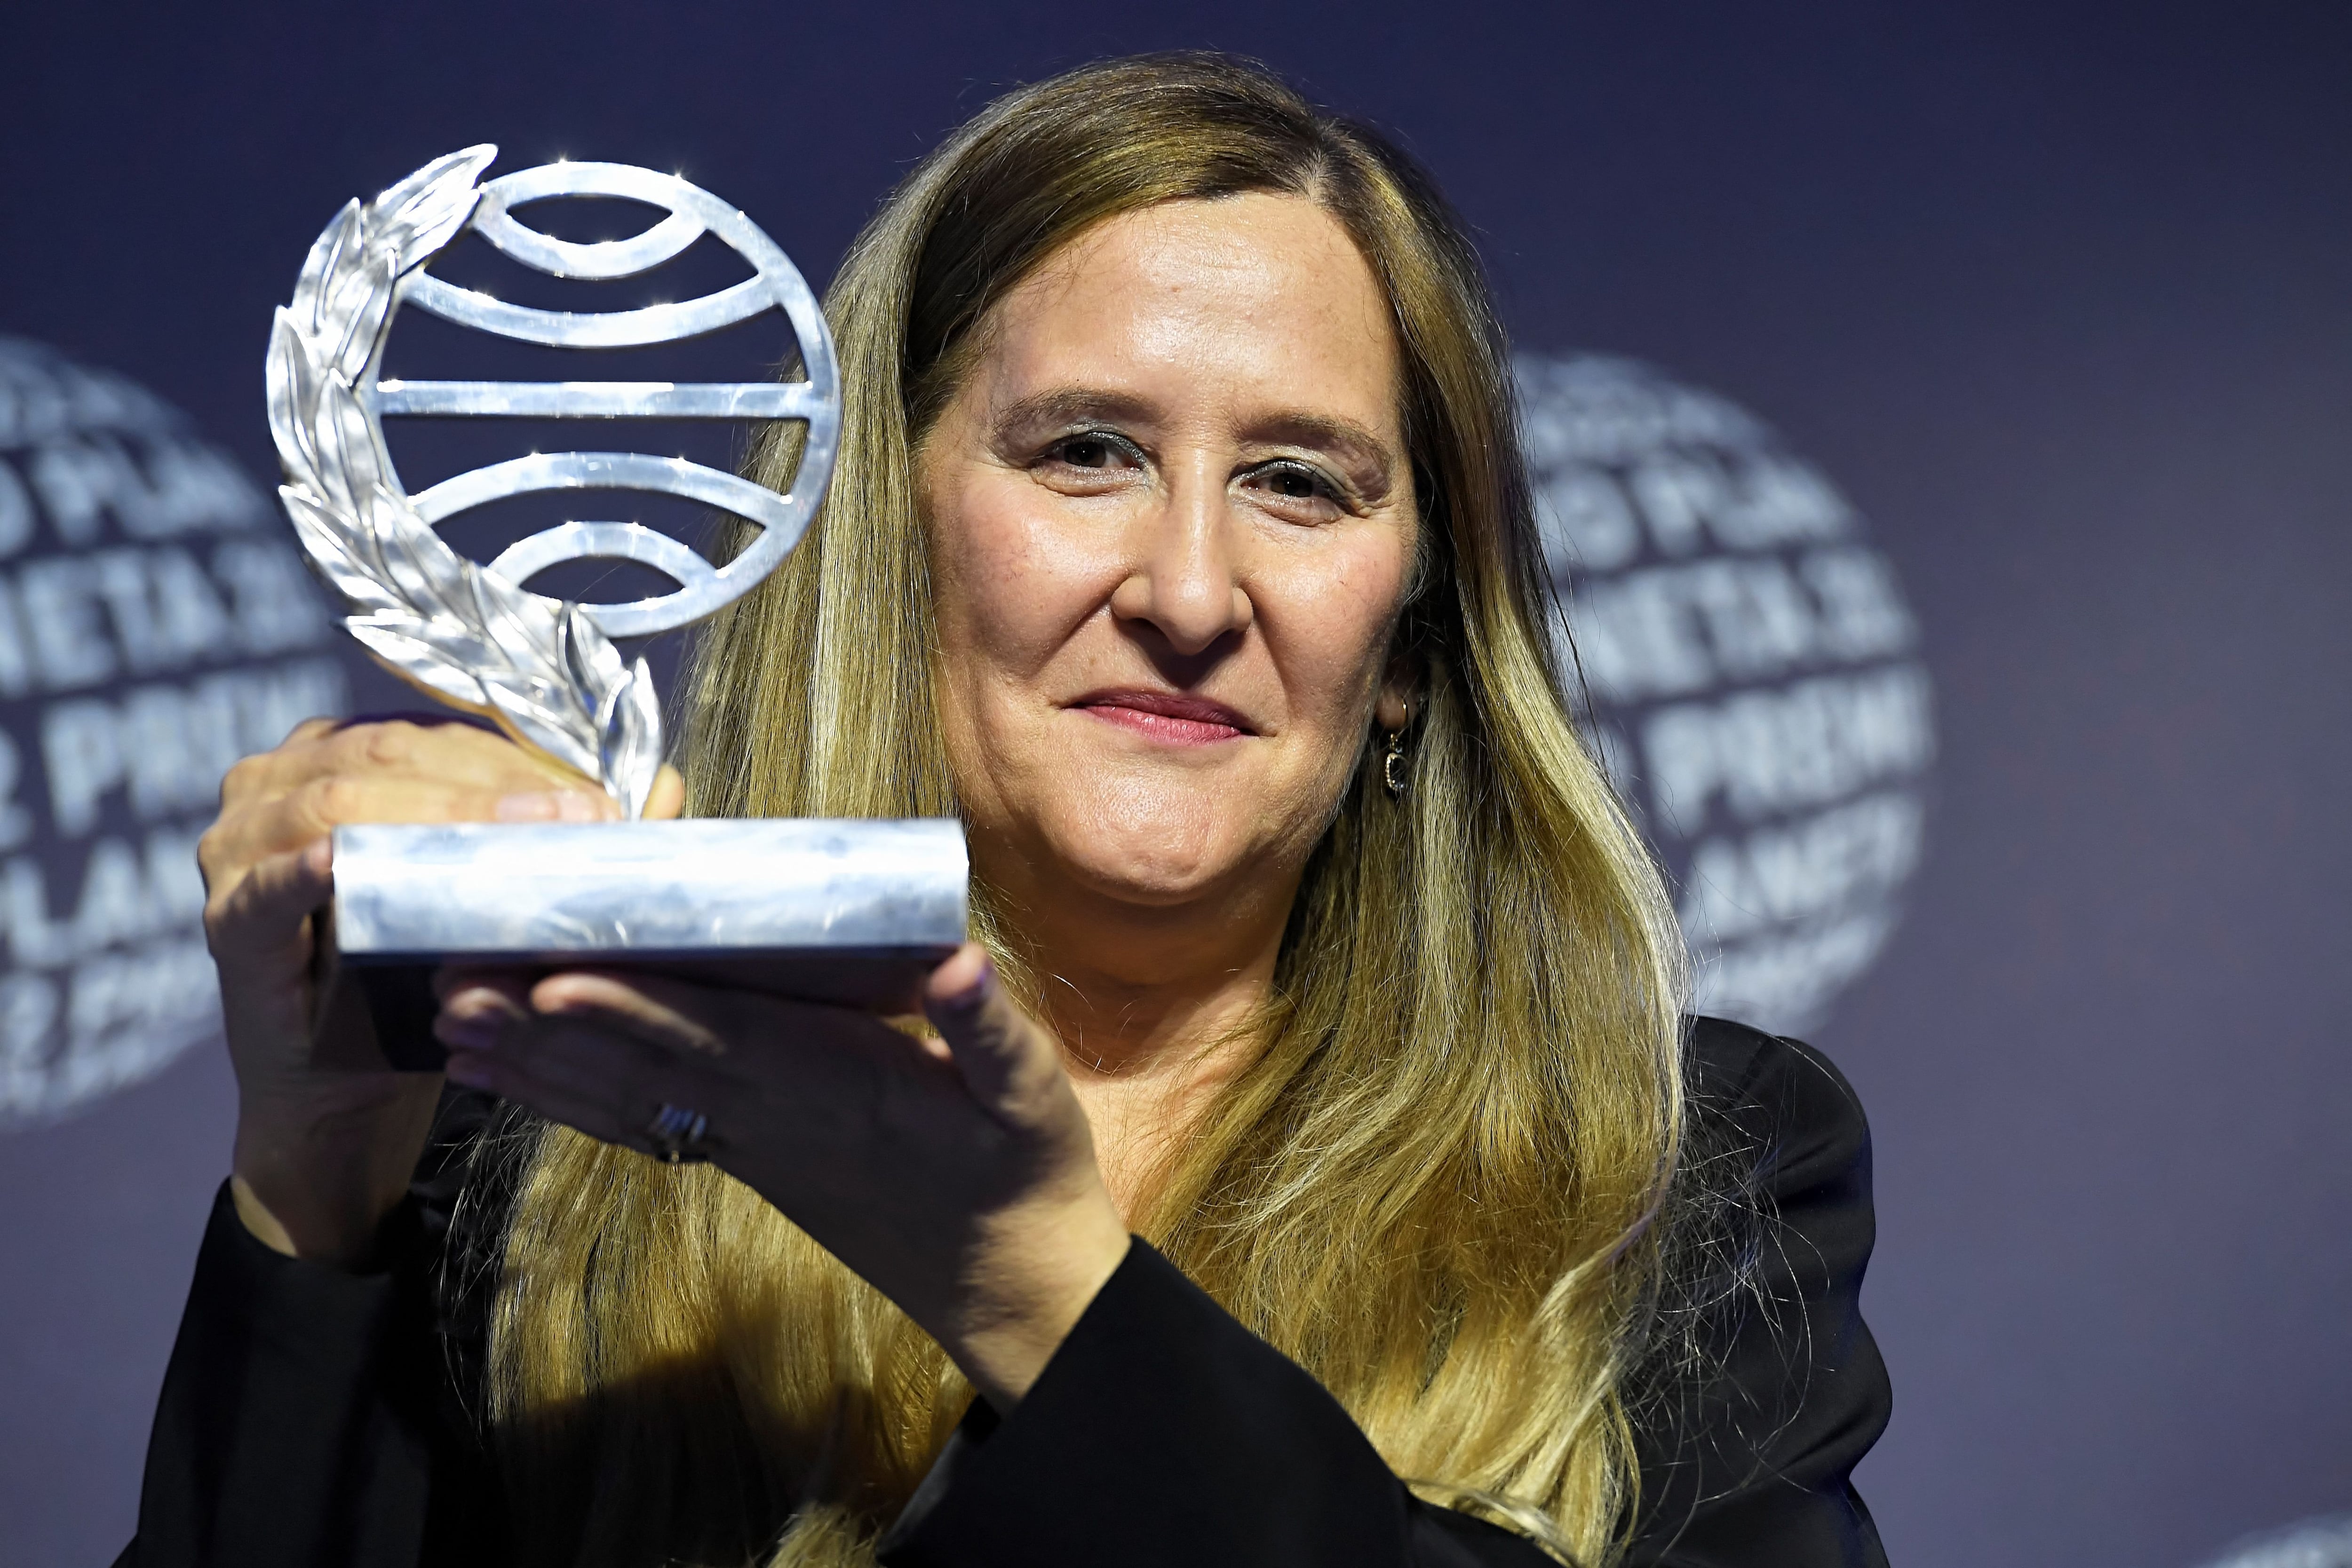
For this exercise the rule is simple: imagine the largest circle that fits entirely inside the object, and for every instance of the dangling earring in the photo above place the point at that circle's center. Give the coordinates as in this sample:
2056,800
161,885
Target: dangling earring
1393,760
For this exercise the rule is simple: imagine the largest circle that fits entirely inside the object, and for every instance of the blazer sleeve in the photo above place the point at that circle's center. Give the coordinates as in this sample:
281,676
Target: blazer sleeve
309,1414
1165,1435
1749,1463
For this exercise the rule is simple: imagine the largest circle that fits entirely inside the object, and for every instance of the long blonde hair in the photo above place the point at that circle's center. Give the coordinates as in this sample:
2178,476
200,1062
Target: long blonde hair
1437,1185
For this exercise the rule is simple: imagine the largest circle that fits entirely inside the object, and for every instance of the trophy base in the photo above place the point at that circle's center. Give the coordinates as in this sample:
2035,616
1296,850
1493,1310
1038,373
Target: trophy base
851,913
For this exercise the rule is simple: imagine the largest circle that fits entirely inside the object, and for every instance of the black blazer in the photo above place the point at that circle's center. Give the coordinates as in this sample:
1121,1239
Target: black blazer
313,1416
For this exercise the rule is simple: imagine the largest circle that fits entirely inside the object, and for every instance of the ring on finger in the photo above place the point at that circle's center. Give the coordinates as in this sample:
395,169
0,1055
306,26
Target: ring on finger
679,1136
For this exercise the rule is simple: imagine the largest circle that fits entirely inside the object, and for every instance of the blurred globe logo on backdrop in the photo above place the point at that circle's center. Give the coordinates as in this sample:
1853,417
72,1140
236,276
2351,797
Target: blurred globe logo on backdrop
155,625
1753,674
1751,663
2314,1543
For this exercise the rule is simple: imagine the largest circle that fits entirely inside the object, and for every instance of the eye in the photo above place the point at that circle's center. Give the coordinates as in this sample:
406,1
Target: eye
1299,489
1096,451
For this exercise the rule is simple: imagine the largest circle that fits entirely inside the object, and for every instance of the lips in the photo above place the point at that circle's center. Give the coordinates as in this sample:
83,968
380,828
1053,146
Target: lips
1171,716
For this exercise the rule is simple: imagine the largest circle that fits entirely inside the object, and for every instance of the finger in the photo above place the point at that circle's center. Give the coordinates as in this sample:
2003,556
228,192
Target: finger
833,1053
673,1015
594,1114
668,796
685,1019
258,775
449,748
261,917
585,1060
511,979
1010,1064
329,801
477,1005
451,751
607,1085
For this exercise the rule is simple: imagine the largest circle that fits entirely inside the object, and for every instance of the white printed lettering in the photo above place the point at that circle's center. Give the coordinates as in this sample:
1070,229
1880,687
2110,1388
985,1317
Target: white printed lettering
16,515
1586,520
34,940
1676,495
274,604
83,759
1767,752
75,481
170,743
114,906
1776,876
15,822
15,664
60,614
1862,616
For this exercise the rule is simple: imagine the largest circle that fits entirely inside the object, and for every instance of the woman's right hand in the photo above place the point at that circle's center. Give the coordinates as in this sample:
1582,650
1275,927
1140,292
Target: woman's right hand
322,1155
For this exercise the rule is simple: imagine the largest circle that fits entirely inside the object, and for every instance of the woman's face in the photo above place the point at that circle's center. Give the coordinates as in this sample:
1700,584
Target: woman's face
1172,521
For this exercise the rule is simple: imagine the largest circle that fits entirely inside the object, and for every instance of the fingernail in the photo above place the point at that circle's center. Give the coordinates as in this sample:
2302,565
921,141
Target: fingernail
532,806
972,994
587,806
556,806
486,1003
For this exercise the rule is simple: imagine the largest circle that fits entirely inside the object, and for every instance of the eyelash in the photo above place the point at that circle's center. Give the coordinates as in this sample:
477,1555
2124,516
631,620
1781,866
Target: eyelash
1058,452
1325,488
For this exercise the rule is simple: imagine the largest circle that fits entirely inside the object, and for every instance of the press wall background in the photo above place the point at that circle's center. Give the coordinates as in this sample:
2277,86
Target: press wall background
1944,417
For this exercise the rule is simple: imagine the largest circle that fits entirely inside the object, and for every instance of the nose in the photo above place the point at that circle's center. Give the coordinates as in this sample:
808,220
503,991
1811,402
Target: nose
1184,581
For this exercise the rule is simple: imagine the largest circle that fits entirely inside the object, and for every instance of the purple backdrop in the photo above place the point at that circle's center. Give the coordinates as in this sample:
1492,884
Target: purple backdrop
2059,296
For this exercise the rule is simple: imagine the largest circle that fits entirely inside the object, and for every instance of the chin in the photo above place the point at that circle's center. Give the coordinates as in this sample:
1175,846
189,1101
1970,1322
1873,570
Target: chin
1168,856
1157,874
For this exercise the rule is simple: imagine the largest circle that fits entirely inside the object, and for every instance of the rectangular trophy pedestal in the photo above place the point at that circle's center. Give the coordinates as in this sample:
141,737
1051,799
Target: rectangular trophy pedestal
852,911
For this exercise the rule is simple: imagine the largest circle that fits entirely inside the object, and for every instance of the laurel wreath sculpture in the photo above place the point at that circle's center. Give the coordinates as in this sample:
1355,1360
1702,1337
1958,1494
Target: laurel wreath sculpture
539,667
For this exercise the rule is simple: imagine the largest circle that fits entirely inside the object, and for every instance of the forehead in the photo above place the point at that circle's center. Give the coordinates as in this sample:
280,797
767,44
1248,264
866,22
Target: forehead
1259,295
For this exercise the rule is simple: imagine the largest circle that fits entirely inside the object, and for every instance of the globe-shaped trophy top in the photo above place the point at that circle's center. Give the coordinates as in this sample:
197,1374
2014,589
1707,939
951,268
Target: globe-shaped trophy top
775,283
545,670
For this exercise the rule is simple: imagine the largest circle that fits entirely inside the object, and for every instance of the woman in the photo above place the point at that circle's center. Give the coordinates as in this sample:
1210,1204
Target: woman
1180,545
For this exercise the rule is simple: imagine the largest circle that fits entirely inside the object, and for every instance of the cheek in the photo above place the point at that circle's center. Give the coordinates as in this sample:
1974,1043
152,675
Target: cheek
1003,594
1328,624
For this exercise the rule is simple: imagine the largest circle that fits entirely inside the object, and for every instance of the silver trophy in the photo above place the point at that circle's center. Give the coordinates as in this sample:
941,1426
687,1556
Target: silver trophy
838,910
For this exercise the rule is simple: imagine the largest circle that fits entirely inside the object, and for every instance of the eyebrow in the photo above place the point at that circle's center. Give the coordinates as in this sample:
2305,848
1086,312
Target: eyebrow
1072,405
1344,436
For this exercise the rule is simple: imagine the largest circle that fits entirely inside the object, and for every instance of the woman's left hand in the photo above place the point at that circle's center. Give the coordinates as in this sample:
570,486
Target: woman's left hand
957,1175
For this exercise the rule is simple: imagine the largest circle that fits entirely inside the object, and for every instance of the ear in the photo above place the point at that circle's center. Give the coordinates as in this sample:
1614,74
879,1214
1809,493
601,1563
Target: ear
1400,693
